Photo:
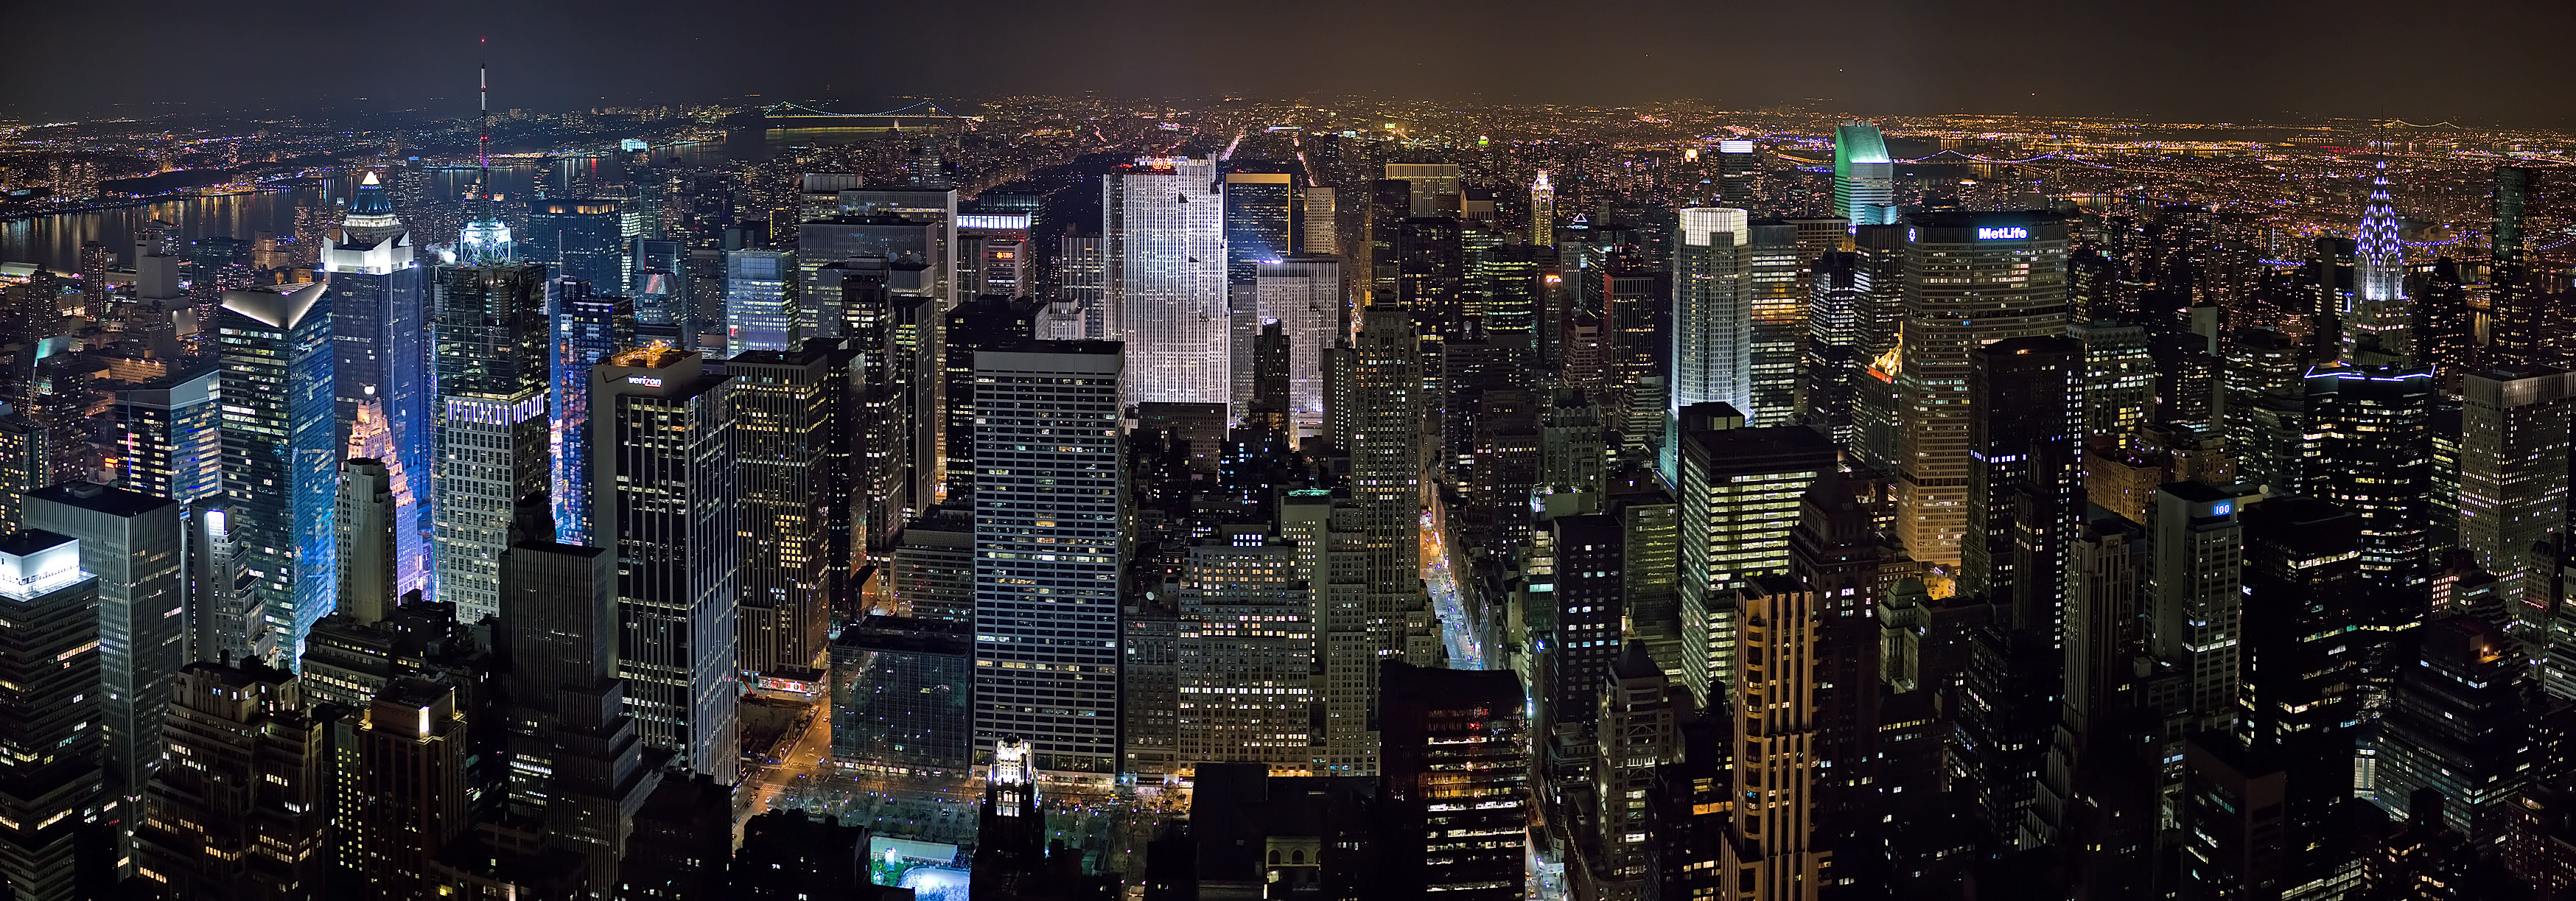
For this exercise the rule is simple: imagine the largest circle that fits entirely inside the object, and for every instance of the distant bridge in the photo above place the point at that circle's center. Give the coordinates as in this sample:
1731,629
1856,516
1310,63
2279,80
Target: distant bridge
920,116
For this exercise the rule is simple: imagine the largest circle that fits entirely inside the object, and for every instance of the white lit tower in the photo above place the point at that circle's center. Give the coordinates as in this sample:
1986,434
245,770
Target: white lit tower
1542,224
2379,313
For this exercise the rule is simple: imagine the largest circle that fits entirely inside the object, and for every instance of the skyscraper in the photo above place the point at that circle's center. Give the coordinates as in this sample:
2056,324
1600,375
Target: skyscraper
280,462
1864,178
170,436
1971,279
1771,834
409,786
1739,169
1259,213
586,329
1776,289
131,543
2195,616
49,695
1048,498
380,344
2376,325
1455,781
1739,491
1247,647
791,456
664,489
2026,406
1712,309
2369,435
761,312
494,441
583,239
1164,249
1304,294
2516,331
251,817
2513,479
1542,205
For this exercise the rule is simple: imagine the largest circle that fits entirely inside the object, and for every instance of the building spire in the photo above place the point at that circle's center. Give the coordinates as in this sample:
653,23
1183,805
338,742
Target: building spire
2379,318
484,241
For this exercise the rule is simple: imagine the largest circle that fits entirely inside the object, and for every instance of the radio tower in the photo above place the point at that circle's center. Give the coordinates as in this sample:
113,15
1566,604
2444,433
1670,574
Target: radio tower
484,241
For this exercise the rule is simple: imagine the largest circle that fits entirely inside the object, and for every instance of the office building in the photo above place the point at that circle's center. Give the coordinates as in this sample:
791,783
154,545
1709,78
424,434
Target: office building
1047,546
2378,323
2513,478
899,696
2457,726
491,333
277,361
586,328
583,239
251,817
792,460
760,307
1712,355
2195,602
664,485
1835,301
978,324
1776,288
381,350
1542,207
1770,849
2517,332
1877,408
1864,177
1247,647
576,760
1303,294
1455,782
169,434
131,543
1971,279
1164,274
409,786
1260,214
1739,171
2369,440
1739,491
2026,413
50,787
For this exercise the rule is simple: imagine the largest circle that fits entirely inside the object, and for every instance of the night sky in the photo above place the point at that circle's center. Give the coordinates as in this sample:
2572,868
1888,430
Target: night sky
2477,62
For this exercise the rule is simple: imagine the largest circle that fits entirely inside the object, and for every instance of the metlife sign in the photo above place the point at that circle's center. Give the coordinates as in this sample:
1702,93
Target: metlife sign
2006,233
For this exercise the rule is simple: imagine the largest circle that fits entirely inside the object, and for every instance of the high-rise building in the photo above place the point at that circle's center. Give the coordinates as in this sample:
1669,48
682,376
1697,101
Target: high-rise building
1835,299
169,433
583,239
1260,212
1434,189
380,345
1712,354
2457,726
586,329
1771,851
761,312
2120,379
1971,279
248,815
280,463
899,705
2369,435
2517,328
989,322
1864,177
1739,500
1048,499
2195,603
2376,326
1877,408
1247,647
409,785
2513,479
1776,288
1542,206
1591,614
1303,294
1455,777
576,760
492,335
1739,171
50,786
132,543
792,459
664,489
2026,413
1165,277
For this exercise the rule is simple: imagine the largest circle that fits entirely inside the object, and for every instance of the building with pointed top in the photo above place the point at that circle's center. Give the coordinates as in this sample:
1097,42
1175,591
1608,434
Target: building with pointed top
380,357
2379,315
281,464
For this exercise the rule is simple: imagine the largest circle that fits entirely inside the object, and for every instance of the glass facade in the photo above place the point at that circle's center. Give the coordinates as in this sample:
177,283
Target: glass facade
281,465
899,696
760,300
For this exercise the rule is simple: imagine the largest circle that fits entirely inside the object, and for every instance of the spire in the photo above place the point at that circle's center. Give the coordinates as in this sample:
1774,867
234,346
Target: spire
484,241
2379,260
369,181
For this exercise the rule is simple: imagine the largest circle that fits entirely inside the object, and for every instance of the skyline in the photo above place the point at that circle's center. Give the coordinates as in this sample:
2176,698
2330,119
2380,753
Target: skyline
2287,61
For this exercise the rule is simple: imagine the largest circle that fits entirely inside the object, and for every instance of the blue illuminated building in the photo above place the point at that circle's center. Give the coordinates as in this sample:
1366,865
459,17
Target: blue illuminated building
581,239
380,342
587,328
280,462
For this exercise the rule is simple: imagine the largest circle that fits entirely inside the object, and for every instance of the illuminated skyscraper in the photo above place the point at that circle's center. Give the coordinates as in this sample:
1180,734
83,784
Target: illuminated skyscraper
1304,295
760,300
664,491
1164,249
1247,645
791,452
1738,171
1971,279
583,239
1048,501
2517,331
170,436
2195,603
1770,848
1776,287
1864,178
1712,309
280,463
586,329
494,442
2379,319
1259,214
1739,501
2370,443
2513,479
1542,222
49,699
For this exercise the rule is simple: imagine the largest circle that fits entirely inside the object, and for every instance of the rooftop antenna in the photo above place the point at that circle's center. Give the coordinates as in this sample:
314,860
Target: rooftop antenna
483,139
